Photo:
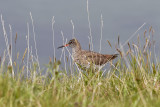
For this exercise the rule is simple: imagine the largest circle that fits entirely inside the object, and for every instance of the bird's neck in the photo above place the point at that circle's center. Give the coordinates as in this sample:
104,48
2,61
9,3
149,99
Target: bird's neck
76,50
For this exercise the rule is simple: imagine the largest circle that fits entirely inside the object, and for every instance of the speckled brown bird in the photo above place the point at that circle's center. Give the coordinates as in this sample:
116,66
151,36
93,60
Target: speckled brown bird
86,58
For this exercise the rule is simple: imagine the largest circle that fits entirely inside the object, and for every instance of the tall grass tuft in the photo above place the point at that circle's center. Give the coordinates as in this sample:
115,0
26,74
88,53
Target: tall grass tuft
131,80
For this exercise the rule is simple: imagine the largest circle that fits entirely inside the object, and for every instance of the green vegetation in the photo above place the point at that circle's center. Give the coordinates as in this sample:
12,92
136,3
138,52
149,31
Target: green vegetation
133,81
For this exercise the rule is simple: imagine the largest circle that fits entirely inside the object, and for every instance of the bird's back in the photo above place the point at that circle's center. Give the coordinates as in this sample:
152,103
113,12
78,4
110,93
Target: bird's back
87,57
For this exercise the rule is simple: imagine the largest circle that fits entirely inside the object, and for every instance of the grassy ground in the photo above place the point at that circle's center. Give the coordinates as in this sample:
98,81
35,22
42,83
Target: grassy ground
129,88
133,81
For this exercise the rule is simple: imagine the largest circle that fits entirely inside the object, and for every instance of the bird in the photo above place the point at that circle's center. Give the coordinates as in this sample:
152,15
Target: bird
85,59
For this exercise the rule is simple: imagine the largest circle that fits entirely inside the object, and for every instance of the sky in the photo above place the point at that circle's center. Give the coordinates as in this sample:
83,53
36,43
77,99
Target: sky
121,18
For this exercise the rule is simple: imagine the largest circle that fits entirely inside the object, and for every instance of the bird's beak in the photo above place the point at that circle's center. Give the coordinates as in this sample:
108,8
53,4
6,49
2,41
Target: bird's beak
63,46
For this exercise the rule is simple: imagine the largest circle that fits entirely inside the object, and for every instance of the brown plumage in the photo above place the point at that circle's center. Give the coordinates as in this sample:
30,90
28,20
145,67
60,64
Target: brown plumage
86,58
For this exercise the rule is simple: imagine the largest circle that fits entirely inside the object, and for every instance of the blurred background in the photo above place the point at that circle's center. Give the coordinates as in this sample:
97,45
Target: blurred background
120,17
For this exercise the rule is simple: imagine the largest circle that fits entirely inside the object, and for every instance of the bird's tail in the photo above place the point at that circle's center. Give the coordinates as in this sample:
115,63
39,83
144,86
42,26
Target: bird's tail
111,57
114,56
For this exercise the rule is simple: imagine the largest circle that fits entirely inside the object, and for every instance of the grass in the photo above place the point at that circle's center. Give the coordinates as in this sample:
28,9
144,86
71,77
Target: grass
130,88
134,81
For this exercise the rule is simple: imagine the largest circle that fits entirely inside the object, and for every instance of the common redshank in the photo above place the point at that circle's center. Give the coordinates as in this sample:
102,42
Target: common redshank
86,58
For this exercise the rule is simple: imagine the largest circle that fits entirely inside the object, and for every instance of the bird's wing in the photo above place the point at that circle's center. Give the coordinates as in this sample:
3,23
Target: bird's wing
95,58
98,59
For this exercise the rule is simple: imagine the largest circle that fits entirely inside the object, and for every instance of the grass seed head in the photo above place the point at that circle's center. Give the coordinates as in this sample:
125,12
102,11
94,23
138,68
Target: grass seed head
119,52
109,43
150,29
24,55
15,38
118,39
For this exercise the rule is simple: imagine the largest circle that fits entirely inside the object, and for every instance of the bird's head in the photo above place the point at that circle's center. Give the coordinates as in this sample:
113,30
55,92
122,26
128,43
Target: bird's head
73,43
